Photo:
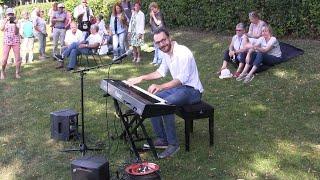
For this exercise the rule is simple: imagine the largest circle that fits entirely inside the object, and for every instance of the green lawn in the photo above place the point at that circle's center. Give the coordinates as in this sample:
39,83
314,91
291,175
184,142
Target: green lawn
268,129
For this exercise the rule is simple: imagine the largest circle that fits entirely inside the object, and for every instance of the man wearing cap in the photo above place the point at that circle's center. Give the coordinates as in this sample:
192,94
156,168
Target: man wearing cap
86,47
83,13
59,30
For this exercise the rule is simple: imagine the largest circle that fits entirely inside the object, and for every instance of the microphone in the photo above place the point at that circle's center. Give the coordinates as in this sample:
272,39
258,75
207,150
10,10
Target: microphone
118,59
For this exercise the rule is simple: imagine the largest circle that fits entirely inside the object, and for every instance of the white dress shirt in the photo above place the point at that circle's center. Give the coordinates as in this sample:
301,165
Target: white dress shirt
182,66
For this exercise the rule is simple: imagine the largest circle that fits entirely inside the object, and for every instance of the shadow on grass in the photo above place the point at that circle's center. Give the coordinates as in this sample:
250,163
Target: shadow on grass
266,130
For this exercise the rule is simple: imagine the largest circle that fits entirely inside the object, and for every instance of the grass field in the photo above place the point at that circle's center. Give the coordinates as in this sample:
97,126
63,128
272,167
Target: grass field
268,129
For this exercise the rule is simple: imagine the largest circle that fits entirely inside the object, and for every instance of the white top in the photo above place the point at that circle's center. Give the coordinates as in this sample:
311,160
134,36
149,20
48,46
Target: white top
71,37
182,66
140,20
94,38
256,29
102,28
273,42
238,42
82,9
41,24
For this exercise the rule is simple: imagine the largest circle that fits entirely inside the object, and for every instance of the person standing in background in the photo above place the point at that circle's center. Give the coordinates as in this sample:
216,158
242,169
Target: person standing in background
51,12
136,31
26,32
83,13
118,29
126,5
40,31
1,10
59,30
156,22
11,39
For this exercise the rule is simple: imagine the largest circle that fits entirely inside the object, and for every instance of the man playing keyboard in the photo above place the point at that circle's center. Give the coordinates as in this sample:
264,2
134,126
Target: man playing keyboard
184,88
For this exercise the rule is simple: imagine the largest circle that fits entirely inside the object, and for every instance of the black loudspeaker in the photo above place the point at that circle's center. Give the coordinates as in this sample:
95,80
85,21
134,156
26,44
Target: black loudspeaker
90,168
64,124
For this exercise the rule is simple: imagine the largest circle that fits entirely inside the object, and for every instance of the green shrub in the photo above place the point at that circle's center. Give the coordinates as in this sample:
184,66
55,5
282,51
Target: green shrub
288,18
30,7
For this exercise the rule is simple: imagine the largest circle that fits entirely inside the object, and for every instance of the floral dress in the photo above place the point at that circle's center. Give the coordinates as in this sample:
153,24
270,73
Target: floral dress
135,40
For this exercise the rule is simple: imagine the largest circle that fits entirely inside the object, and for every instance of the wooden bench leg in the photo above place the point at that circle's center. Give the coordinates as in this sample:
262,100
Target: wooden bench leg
187,126
211,128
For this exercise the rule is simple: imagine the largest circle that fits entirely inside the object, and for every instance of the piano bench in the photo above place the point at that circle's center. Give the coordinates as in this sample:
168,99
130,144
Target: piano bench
192,112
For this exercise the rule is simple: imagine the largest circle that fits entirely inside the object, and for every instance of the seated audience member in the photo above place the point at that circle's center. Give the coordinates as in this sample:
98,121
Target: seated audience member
255,27
91,43
237,51
266,51
11,39
73,35
26,32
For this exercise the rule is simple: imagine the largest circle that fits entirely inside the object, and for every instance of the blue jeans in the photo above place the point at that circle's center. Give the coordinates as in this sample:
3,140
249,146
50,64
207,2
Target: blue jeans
42,43
164,126
157,59
118,44
241,57
72,52
259,58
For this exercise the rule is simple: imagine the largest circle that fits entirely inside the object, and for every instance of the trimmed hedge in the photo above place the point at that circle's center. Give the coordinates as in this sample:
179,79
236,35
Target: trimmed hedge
295,18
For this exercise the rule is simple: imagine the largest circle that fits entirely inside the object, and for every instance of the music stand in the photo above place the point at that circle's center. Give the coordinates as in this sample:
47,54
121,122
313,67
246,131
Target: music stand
82,147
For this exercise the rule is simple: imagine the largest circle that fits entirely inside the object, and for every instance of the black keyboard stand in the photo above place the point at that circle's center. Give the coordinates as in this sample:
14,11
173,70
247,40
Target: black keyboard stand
131,128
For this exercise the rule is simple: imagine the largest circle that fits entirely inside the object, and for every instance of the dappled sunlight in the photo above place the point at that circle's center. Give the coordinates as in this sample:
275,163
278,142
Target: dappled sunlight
216,45
11,170
4,140
285,74
267,166
259,107
286,148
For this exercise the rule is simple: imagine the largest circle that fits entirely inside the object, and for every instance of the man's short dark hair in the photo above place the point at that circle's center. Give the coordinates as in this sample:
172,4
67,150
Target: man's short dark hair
160,30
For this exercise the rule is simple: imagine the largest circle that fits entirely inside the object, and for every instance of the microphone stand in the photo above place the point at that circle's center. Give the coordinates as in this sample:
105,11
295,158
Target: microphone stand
83,148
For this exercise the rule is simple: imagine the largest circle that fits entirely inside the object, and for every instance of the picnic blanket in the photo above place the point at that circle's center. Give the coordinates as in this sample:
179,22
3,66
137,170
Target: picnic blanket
288,52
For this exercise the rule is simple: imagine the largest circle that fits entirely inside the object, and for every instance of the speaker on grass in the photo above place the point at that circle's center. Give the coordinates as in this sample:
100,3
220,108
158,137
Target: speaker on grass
64,124
90,168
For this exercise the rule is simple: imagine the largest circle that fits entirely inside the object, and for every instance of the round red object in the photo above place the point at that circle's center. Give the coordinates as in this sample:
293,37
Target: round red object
140,169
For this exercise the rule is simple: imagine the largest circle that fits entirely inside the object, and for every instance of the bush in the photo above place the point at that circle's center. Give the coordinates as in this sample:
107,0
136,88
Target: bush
29,8
288,18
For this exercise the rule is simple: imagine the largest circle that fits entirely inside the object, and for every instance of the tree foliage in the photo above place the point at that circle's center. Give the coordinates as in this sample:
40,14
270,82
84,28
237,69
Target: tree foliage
295,18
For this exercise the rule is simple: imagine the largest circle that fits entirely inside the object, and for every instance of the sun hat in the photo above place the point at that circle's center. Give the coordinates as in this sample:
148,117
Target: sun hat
225,73
60,5
9,11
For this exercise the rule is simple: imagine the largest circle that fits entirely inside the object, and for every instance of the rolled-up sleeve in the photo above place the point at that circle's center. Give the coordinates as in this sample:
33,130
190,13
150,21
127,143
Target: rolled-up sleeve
185,70
163,69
